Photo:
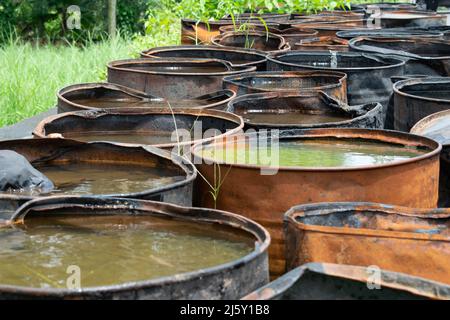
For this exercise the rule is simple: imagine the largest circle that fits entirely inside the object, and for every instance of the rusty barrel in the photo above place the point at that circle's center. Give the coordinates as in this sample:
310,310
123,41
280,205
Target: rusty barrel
262,41
55,155
322,44
94,96
291,110
173,78
329,281
331,82
327,28
163,128
237,57
201,32
422,56
389,33
416,98
407,240
436,126
252,16
230,280
264,191
291,35
368,76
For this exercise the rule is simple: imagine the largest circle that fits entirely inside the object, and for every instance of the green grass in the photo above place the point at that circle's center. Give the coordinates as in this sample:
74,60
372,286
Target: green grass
31,75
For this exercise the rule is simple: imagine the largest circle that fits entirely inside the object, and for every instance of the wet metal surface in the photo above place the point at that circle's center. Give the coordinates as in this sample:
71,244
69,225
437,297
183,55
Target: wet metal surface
408,240
265,198
226,281
327,281
333,83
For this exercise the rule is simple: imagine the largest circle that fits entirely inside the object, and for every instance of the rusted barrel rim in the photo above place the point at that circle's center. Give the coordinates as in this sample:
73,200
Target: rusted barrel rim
286,94
389,279
353,44
256,53
132,92
421,125
389,136
39,131
329,41
169,210
315,209
287,74
347,34
400,85
182,162
117,65
283,46
396,62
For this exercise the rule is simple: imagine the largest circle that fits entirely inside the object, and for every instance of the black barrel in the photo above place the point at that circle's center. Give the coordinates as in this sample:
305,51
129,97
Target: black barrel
422,56
230,280
416,98
368,76
327,281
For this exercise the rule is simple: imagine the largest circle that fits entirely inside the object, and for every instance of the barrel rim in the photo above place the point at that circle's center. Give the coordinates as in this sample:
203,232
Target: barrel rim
116,65
282,47
423,123
355,273
263,55
40,131
314,209
237,221
400,85
398,136
181,162
377,107
398,63
234,80
133,92
404,54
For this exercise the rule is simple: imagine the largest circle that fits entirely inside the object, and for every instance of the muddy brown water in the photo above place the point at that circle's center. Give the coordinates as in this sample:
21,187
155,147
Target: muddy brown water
89,178
290,117
112,250
320,153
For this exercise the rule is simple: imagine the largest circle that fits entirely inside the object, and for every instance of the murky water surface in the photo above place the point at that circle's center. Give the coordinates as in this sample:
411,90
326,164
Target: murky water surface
112,250
313,153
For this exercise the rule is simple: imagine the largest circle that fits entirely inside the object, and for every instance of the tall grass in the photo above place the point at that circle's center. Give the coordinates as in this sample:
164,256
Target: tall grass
31,74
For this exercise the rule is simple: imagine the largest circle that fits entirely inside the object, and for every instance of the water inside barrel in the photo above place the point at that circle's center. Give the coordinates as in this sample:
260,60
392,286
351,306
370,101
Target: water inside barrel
320,153
112,250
